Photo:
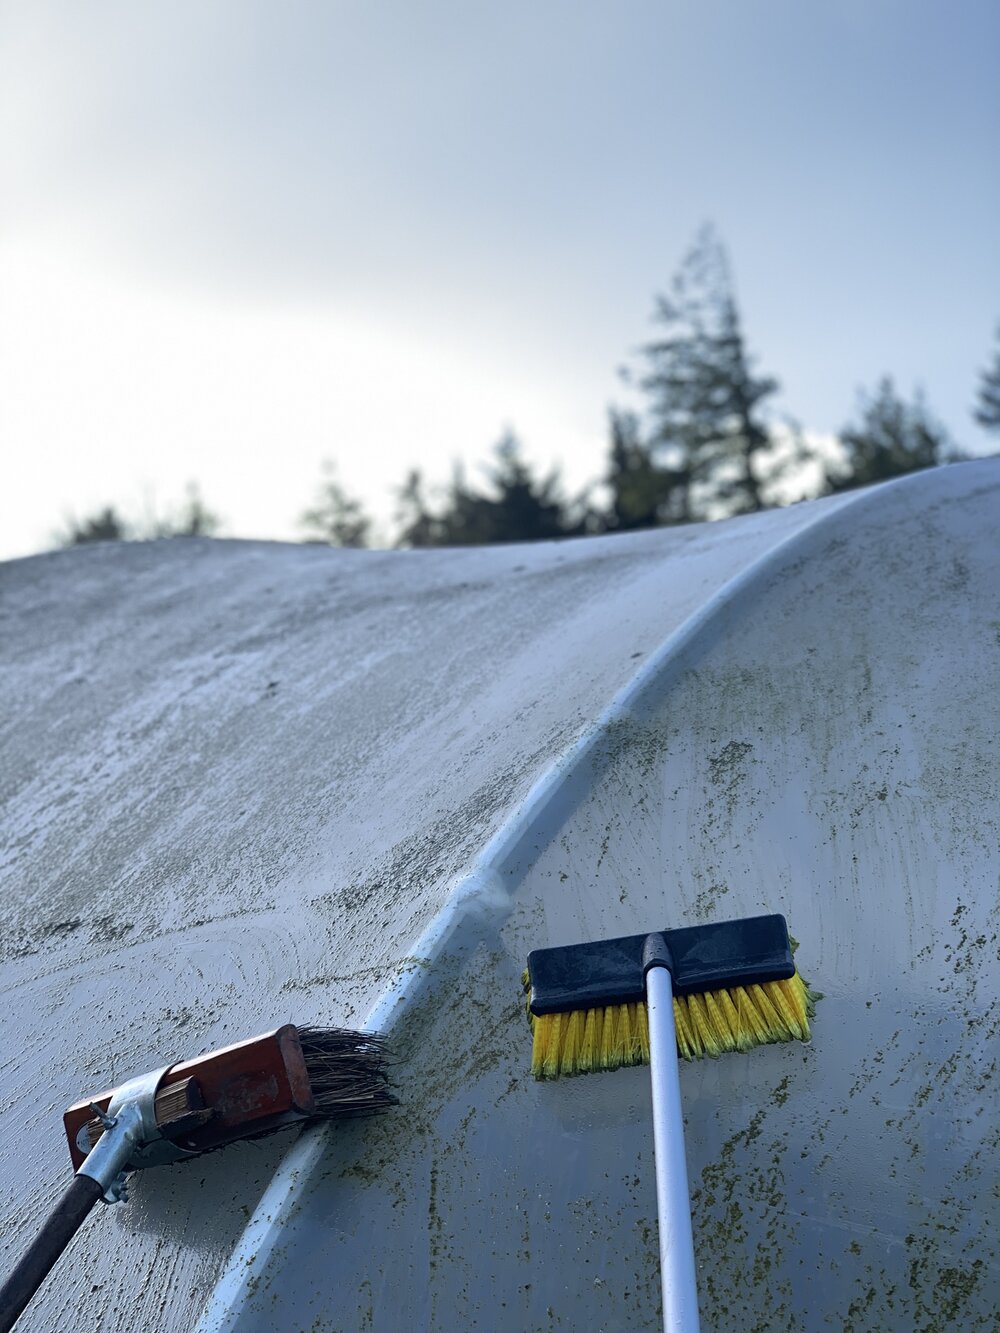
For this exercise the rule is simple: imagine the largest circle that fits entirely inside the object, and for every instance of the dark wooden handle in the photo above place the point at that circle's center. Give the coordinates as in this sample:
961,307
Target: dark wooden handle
33,1268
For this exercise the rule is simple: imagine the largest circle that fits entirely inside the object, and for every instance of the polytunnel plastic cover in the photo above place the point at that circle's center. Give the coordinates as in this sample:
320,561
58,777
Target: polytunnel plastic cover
247,783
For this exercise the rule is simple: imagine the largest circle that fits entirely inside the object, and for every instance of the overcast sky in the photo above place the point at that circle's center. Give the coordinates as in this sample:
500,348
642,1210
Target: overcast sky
239,238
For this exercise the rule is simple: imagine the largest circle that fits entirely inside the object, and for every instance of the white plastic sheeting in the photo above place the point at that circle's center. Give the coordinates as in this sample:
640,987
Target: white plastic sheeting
244,784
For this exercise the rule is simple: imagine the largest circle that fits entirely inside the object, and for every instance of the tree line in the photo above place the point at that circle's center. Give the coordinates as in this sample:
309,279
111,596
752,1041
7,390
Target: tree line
704,444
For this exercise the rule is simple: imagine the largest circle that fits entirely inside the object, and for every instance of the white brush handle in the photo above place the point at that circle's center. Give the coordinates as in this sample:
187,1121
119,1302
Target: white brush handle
680,1288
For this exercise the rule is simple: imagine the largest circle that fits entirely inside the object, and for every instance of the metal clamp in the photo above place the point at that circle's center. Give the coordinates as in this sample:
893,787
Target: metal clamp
131,1137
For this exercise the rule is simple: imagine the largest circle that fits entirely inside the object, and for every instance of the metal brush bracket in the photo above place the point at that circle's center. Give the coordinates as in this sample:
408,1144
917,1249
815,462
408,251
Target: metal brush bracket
131,1137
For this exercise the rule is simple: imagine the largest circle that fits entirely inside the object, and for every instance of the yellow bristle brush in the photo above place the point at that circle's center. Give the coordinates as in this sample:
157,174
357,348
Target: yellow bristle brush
587,1002
645,999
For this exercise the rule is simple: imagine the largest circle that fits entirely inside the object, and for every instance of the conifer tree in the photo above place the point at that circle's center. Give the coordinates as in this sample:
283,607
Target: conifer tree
106,525
416,521
891,438
706,406
644,493
987,411
336,518
519,506
193,518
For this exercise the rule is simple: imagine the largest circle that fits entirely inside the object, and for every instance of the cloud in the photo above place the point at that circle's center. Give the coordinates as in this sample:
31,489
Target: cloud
312,147
118,392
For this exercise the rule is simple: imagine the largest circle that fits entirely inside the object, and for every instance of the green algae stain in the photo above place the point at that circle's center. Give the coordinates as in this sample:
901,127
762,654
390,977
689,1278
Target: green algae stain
727,770
707,900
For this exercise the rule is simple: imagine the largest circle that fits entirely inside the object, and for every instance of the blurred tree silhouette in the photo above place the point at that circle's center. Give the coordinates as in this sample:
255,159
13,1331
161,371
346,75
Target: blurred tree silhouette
987,411
417,524
193,518
196,519
891,438
521,507
644,493
708,431
336,518
703,448
106,525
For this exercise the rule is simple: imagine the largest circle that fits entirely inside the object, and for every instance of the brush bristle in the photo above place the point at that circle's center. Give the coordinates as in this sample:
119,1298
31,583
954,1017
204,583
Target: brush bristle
347,1072
710,1023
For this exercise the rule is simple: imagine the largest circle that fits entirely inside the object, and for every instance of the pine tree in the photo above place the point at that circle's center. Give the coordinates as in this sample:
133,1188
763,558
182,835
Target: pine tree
519,507
337,519
417,523
987,411
525,508
193,518
706,405
644,494
891,439
106,525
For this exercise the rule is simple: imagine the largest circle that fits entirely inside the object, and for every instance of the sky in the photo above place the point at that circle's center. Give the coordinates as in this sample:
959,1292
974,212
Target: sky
237,239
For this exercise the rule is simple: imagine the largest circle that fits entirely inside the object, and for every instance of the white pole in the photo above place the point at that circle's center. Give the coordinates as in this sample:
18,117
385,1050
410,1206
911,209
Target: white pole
680,1288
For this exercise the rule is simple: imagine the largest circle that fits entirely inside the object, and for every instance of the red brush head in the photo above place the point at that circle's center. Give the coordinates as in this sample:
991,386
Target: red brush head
251,1088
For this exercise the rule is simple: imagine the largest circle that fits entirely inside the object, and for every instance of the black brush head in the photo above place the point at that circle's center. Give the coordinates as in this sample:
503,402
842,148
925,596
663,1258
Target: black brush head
716,956
348,1072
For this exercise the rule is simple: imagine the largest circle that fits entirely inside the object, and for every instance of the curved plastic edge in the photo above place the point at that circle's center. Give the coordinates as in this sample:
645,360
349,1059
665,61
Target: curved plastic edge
484,897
